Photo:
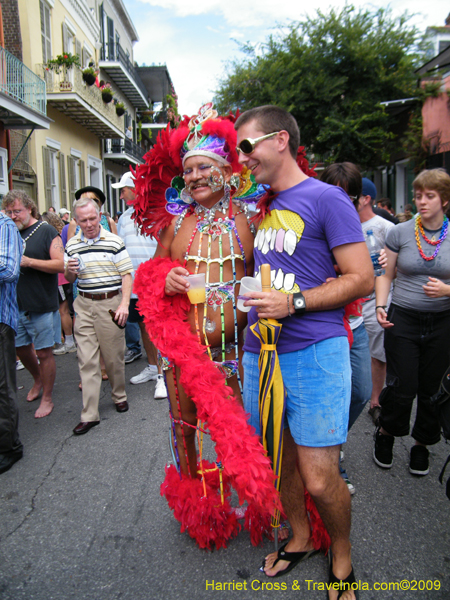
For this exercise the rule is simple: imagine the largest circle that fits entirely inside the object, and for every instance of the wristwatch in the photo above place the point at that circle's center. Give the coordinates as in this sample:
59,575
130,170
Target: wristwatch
299,303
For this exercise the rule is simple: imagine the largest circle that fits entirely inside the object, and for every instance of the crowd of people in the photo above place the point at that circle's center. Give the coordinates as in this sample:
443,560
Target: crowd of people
349,335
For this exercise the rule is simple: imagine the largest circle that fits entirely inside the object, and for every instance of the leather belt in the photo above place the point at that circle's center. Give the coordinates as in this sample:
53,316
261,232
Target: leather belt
102,296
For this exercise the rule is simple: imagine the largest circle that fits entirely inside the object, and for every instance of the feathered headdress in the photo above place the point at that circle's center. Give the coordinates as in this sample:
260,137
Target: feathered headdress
159,181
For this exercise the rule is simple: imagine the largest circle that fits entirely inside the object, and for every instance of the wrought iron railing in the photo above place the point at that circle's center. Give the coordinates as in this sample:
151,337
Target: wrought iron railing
72,81
19,82
116,53
123,146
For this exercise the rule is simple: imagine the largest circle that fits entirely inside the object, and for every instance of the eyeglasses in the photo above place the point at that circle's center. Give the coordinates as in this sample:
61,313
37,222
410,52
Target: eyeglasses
248,145
15,212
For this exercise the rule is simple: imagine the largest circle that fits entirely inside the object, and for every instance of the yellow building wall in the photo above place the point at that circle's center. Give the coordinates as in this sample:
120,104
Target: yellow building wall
64,130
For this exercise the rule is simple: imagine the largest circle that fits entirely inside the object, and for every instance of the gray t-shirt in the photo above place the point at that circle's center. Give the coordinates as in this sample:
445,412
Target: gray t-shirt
380,227
413,271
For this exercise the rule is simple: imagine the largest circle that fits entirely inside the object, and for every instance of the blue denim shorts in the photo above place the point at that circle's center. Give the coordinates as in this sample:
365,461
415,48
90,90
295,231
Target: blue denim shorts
36,328
318,385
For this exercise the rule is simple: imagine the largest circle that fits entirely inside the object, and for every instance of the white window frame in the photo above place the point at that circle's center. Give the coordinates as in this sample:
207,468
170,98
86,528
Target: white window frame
4,185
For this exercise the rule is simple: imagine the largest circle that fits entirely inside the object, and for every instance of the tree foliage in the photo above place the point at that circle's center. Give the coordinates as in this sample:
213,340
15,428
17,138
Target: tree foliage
331,72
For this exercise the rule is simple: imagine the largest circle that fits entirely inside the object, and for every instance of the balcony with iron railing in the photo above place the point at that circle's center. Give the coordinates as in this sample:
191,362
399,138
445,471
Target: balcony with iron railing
120,69
124,151
23,103
69,93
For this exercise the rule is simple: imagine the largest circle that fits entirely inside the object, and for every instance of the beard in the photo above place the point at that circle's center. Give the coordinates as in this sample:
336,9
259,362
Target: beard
21,225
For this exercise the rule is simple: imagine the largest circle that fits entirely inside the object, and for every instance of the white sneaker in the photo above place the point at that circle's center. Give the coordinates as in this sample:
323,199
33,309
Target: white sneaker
148,374
19,365
64,349
160,388
59,349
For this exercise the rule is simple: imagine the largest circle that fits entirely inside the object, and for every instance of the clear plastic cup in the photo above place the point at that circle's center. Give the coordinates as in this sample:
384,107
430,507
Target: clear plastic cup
197,291
248,284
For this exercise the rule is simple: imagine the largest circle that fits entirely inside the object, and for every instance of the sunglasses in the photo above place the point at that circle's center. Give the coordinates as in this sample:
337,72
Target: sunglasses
248,145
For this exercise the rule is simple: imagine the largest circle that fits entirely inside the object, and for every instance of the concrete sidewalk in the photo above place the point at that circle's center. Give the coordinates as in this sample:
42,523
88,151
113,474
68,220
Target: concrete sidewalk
82,517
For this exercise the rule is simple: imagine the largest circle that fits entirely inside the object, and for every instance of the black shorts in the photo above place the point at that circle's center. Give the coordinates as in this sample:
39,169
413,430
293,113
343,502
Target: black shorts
65,292
133,315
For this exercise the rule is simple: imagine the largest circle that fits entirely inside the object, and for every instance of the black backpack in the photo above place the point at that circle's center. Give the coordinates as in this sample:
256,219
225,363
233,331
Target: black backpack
440,403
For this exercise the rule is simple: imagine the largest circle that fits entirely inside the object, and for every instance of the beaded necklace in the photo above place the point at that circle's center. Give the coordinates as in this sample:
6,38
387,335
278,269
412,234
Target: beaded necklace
419,227
24,240
221,292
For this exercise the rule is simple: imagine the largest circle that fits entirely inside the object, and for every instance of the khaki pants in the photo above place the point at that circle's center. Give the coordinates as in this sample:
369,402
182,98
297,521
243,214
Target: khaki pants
95,331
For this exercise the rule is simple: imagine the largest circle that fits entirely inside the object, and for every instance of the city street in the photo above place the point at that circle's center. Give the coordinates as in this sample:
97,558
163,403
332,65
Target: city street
82,517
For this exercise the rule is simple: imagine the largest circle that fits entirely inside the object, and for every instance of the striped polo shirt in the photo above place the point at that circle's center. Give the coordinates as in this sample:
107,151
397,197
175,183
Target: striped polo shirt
105,260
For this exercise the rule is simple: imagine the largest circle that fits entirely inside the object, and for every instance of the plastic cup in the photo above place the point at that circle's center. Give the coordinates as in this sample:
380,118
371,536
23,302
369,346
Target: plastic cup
248,284
197,291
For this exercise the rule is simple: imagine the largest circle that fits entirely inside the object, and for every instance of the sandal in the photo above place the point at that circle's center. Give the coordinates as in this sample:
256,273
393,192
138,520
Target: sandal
344,584
294,558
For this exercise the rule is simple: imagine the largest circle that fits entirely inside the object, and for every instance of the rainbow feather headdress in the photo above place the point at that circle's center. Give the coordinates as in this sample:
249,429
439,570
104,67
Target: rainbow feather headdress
159,183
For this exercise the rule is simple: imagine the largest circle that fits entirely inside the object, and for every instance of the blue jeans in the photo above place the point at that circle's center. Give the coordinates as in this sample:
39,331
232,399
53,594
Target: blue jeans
35,328
132,336
57,326
361,373
317,380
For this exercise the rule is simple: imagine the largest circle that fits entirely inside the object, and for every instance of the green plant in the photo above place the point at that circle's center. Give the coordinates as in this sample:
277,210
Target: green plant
139,131
89,75
107,89
63,62
120,109
107,93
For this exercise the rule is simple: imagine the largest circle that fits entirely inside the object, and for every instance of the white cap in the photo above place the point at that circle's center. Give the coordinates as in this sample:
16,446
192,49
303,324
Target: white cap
64,211
127,180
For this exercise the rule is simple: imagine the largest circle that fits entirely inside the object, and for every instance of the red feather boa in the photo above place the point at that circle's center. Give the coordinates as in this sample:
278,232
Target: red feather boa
237,448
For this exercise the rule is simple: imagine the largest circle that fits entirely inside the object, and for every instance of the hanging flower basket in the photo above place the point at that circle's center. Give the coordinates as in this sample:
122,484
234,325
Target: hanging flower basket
107,93
106,97
120,109
89,76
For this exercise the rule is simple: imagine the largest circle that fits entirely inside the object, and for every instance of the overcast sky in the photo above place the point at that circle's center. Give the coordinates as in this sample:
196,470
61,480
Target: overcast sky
196,39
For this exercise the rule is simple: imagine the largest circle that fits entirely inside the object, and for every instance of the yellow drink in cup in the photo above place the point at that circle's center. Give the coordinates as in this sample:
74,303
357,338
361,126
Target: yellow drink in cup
197,295
197,291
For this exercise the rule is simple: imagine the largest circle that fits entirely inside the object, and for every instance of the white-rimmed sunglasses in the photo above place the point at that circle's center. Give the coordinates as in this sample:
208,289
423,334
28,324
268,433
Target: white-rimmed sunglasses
248,145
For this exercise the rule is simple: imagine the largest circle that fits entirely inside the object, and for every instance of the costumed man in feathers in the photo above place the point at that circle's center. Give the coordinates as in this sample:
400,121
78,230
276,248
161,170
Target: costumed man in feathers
189,198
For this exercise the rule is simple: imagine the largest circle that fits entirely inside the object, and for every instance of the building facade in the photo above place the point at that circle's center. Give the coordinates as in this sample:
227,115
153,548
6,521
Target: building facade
92,135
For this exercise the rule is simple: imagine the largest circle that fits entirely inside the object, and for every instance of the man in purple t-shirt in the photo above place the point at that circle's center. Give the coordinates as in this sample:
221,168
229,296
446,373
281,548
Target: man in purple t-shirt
311,226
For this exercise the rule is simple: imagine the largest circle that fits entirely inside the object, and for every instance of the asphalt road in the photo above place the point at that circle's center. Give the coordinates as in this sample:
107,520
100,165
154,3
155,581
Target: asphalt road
82,518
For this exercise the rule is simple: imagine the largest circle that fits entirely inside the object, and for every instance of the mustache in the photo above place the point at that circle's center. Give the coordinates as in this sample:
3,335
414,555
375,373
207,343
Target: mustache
195,183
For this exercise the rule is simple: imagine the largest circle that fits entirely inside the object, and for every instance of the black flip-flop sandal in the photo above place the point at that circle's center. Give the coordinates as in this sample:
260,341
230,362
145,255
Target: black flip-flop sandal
294,558
333,579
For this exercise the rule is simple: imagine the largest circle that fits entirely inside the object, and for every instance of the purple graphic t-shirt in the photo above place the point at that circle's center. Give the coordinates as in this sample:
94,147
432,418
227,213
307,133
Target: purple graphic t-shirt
305,223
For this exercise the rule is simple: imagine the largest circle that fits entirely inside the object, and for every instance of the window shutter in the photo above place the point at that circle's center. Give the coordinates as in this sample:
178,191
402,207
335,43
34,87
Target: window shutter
45,32
78,51
62,180
82,174
47,176
85,58
110,39
71,163
65,36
